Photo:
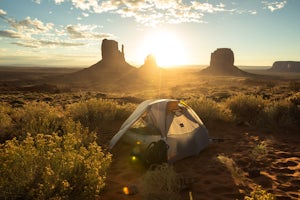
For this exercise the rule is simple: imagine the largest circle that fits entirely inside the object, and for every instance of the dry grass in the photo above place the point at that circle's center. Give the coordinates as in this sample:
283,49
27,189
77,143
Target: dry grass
161,183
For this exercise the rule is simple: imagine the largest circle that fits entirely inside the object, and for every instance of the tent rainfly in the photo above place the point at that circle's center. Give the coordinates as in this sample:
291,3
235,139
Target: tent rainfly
168,119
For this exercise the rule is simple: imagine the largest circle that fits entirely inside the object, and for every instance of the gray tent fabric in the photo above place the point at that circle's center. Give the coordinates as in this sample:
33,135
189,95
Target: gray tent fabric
174,121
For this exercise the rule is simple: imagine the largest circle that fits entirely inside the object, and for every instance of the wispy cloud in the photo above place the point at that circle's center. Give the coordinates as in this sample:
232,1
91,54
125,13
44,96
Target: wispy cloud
2,12
274,5
151,12
85,31
10,34
33,33
156,12
37,1
41,43
32,25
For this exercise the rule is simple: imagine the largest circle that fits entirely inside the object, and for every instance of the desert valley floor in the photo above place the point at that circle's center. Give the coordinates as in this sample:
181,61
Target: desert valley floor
221,171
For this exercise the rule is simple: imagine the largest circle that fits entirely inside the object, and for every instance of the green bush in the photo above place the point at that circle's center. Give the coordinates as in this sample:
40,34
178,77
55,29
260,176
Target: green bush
37,117
52,167
40,117
209,111
281,115
92,113
246,108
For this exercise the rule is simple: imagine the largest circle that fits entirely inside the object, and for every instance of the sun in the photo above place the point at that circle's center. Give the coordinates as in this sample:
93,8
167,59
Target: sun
167,48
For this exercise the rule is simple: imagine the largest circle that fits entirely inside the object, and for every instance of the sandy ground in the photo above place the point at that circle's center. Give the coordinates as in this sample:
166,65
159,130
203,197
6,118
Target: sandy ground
280,167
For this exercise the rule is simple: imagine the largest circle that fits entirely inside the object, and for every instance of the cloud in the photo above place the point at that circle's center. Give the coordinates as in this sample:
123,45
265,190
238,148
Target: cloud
37,1
275,5
151,12
74,32
2,12
58,1
59,43
10,34
85,32
85,14
28,33
102,35
41,43
25,44
28,24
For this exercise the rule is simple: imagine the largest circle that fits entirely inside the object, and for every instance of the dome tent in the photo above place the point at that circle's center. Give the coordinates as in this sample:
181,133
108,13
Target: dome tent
168,119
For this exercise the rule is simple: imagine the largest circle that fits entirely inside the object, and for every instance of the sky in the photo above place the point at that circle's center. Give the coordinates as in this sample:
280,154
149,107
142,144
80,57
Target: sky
68,33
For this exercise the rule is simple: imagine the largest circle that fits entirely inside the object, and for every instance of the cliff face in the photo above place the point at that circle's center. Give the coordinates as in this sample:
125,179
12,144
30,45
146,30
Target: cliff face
222,58
222,63
285,66
110,69
110,51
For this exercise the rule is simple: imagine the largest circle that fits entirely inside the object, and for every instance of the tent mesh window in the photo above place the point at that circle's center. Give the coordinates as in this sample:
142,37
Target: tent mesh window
144,126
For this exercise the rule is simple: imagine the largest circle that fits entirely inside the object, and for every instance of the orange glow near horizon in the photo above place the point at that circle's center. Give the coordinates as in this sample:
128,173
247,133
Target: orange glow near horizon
167,48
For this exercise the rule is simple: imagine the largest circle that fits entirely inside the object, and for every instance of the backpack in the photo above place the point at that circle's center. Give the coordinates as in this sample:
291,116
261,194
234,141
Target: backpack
156,153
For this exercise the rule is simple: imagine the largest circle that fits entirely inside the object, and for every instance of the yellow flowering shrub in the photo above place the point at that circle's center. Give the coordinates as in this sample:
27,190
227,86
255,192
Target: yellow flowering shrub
260,194
92,113
52,167
37,117
5,120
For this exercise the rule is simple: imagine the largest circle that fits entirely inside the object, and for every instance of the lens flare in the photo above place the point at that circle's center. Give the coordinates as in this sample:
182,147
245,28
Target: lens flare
133,158
126,190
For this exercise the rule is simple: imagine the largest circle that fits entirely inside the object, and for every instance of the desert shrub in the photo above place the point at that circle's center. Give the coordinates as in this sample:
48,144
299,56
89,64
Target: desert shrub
124,110
209,111
260,194
160,183
5,120
92,113
280,115
52,167
294,85
295,99
246,108
259,151
40,117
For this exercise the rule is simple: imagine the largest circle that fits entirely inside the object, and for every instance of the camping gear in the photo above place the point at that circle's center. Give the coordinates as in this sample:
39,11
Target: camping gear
168,119
156,153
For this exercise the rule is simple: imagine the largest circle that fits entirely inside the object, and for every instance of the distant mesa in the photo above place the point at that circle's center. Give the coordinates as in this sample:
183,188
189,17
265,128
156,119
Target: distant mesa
150,65
110,68
110,52
285,66
222,63
113,60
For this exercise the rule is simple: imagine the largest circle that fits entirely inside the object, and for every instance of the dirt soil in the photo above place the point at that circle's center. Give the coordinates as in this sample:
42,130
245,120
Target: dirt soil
279,168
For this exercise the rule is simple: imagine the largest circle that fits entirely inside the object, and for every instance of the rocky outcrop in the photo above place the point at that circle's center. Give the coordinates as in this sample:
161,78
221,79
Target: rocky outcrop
150,72
285,66
222,63
150,64
222,59
111,69
113,60
110,51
